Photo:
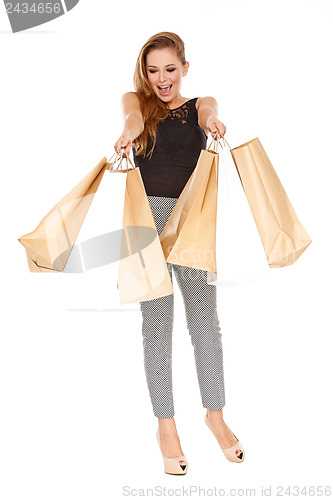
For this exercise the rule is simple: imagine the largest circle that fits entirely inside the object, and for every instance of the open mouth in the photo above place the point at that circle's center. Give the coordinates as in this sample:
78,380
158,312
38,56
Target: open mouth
165,89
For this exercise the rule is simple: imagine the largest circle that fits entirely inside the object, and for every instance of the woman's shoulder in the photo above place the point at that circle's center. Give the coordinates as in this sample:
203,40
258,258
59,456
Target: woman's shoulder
130,97
130,103
204,101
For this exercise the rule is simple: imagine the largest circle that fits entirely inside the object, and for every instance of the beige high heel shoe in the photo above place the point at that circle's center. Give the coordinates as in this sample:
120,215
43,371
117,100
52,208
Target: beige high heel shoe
172,465
235,453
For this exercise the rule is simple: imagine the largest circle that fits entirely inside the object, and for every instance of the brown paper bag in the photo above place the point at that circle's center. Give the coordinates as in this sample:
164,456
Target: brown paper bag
49,245
283,236
143,274
189,236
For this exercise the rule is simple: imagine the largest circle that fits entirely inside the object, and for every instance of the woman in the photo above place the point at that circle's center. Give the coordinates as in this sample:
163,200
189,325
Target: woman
167,132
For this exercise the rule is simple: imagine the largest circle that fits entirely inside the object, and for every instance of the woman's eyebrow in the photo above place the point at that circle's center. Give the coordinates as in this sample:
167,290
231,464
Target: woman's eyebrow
151,66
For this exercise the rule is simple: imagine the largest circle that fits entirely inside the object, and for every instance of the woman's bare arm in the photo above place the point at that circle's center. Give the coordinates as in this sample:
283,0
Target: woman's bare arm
207,108
134,124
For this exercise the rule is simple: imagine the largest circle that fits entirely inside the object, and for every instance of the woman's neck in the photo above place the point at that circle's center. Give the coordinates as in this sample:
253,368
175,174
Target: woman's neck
176,103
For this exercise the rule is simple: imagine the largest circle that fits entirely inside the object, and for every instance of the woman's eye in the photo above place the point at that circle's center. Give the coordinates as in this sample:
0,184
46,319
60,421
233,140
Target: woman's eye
169,70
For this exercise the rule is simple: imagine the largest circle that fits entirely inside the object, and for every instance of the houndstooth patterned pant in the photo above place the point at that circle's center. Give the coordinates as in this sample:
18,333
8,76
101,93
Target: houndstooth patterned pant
202,323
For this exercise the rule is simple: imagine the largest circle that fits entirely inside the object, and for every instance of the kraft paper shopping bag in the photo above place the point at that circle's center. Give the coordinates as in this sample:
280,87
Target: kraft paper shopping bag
49,245
188,238
240,255
143,274
283,236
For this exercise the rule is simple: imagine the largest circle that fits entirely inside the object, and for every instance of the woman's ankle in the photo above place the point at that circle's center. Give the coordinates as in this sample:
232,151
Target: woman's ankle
214,413
167,424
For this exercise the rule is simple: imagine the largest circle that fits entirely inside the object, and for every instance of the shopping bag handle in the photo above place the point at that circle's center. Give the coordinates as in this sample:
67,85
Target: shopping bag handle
119,158
217,141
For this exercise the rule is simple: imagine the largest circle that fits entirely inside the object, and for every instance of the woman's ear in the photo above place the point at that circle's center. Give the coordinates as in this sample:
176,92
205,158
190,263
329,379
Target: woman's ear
186,66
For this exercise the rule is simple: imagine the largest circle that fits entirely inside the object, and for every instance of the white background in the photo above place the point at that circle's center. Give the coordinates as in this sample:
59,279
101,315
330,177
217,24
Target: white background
76,420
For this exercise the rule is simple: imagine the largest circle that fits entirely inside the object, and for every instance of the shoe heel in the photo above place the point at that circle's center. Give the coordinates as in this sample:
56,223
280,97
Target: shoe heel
235,453
172,465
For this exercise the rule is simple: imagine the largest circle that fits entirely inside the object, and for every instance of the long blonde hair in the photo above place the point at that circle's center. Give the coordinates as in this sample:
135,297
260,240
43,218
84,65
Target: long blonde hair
153,109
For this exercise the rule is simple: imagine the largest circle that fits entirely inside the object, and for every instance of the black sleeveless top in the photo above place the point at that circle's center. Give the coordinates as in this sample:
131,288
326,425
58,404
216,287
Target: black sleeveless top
179,140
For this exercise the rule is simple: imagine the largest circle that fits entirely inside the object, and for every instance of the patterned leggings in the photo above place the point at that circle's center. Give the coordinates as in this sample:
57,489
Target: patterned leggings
202,323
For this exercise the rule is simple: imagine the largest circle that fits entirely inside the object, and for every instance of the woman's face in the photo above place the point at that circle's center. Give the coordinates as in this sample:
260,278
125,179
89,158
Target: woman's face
164,69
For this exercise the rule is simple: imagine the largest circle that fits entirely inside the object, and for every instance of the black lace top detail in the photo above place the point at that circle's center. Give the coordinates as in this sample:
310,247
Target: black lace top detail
179,141
181,112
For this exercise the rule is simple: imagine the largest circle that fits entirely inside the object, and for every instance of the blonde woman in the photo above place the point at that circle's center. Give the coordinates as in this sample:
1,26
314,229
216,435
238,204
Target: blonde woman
166,132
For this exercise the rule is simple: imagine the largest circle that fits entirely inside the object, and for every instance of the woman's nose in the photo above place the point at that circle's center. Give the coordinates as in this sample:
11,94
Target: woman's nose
162,79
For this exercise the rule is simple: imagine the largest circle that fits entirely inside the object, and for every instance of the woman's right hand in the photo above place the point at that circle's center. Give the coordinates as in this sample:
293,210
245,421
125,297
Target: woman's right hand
124,141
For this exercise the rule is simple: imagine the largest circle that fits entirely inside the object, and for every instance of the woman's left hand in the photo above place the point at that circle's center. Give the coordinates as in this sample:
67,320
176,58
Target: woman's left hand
213,124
